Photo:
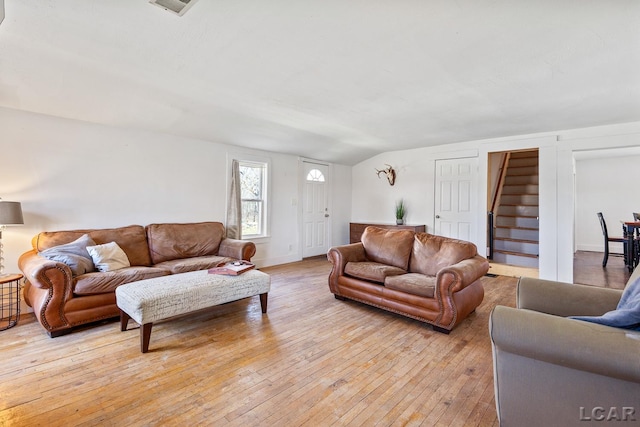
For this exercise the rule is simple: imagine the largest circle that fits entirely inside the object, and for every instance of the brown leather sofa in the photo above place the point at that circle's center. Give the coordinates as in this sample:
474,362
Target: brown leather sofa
430,278
62,300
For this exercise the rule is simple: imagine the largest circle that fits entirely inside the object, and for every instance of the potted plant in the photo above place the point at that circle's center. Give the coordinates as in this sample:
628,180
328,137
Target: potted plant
400,212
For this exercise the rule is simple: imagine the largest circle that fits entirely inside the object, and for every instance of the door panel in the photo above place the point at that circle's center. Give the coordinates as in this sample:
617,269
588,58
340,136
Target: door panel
456,194
315,213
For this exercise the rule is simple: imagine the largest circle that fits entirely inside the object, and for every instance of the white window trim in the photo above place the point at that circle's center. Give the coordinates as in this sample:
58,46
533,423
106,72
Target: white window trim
252,158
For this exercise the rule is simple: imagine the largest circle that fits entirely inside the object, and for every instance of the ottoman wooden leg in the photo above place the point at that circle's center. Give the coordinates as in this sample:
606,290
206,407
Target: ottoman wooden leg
145,336
263,302
124,320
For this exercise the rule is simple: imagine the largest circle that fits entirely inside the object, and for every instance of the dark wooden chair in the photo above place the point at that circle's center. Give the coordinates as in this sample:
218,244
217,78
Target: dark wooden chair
636,216
608,239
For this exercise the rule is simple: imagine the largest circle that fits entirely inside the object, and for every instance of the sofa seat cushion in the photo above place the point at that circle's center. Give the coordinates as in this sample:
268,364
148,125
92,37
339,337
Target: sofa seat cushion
193,264
372,271
431,253
391,247
104,282
412,283
179,241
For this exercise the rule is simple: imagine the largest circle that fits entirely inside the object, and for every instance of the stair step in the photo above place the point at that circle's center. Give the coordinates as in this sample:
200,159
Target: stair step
525,170
521,180
523,161
519,246
524,154
513,239
515,259
515,253
519,199
516,227
512,221
520,189
521,234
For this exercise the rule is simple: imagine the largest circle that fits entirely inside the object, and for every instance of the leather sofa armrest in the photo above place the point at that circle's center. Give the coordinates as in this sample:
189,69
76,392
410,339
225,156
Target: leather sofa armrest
46,274
49,287
565,299
339,256
456,277
238,249
575,344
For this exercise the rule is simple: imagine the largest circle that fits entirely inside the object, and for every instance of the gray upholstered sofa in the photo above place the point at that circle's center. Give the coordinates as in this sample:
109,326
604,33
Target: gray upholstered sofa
550,370
65,290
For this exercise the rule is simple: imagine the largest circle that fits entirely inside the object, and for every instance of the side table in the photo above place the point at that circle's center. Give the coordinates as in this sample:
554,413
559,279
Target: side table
9,300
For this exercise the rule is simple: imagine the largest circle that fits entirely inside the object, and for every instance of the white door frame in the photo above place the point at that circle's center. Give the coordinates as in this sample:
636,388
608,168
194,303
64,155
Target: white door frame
301,181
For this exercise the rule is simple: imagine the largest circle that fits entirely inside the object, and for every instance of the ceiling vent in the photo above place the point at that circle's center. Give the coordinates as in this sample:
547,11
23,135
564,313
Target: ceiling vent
179,7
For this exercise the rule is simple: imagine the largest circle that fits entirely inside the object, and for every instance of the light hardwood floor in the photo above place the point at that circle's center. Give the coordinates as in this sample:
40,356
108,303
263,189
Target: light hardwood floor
312,360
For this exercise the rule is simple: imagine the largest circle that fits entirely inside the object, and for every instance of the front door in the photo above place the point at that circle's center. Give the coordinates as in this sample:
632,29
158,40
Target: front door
456,195
315,209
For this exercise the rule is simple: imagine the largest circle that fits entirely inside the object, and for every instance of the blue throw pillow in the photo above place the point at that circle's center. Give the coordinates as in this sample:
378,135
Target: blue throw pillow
73,254
627,313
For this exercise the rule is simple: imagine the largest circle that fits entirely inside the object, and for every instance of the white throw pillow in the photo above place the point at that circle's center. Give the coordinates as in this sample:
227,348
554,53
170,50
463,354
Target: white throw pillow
108,257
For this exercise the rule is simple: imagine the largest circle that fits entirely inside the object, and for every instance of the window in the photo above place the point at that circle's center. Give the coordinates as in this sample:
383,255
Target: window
315,175
253,186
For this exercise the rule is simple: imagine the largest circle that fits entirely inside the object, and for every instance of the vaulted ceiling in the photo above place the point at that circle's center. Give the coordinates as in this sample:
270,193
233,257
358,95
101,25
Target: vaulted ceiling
333,80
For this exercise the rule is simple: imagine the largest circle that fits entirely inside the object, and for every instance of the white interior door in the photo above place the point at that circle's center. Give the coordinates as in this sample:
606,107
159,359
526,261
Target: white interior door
315,209
456,195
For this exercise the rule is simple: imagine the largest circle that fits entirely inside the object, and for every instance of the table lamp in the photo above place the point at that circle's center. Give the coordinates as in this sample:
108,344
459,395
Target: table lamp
10,214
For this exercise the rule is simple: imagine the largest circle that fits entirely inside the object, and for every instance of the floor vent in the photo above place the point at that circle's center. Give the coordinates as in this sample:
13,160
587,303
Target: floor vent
179,7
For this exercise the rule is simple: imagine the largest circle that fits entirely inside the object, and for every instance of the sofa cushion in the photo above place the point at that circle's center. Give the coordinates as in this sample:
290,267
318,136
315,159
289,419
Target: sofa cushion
431,253
108,257
104,282
388,246
74,254
412,283
179,241
176,266
372,271
132,239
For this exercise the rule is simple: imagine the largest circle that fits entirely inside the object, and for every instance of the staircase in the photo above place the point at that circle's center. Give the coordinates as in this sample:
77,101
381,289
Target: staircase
516,238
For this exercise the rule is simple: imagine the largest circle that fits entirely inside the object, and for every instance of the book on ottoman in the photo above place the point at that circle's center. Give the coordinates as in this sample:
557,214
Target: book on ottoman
232,268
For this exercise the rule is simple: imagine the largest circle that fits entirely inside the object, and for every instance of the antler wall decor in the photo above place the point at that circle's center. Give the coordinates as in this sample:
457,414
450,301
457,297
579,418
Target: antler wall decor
390,173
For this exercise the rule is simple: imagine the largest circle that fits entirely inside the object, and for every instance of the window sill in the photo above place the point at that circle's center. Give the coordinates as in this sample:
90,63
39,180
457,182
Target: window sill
258,239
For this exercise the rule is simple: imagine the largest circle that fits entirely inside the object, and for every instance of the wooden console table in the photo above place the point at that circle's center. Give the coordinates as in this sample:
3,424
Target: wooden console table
357,228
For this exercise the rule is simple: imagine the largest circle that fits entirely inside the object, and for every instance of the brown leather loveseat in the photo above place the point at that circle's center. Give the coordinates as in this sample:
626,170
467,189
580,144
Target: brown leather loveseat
64,295
430,278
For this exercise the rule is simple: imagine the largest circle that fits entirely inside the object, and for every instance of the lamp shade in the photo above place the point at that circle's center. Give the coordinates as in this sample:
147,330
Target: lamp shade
10,213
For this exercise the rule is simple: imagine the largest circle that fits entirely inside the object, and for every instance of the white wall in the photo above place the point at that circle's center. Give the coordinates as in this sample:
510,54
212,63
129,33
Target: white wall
70,175
373,199
605,183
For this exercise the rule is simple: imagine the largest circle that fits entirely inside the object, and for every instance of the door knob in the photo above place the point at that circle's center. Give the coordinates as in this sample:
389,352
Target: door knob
437,216
326,215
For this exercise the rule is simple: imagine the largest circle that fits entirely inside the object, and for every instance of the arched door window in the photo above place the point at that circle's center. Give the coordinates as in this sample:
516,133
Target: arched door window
315,175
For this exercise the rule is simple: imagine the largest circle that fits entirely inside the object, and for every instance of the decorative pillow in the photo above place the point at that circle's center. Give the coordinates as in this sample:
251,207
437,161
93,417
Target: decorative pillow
108,257
627,313
74,254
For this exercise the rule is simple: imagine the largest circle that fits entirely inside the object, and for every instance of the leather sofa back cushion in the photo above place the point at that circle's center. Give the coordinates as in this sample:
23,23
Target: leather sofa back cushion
391,247
132,239
178,241
432,253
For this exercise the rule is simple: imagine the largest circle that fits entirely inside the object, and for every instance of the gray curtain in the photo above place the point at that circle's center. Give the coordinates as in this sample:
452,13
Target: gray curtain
234,214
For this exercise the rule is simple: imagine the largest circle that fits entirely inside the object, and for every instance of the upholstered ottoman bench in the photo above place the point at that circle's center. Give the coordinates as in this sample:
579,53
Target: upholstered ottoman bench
151,300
